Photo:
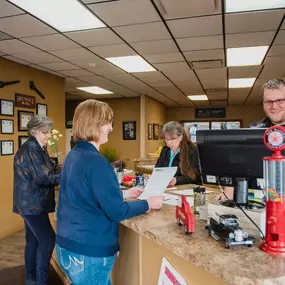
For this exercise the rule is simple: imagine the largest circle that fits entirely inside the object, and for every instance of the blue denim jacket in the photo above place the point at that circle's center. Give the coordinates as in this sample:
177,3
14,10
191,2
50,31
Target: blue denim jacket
35,176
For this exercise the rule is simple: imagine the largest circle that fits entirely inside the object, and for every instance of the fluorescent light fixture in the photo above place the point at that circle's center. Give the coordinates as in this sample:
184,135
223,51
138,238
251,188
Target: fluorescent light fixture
241,82
198,97
63,15
252,5
133,63
246,55
95,90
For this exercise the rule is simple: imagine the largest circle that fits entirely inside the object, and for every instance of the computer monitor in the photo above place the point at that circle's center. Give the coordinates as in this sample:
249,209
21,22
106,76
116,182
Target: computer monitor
226,155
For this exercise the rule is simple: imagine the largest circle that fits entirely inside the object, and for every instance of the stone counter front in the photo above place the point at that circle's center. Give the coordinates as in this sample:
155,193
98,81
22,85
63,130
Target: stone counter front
237,266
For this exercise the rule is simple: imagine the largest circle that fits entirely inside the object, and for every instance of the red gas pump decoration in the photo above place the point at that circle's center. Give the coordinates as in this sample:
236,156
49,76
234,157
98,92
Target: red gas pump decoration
274,175
184,216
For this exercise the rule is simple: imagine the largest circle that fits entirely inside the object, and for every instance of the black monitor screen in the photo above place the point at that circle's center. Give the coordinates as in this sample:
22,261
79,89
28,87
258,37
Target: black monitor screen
225,155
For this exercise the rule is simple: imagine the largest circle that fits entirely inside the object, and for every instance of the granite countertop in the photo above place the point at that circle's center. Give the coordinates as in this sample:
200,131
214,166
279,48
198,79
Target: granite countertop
237,266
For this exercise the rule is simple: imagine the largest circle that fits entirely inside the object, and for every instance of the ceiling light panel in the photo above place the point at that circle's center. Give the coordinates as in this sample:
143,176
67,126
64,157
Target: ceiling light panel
246,56
233,6
198,97
94,90
241,82
134,63
64,15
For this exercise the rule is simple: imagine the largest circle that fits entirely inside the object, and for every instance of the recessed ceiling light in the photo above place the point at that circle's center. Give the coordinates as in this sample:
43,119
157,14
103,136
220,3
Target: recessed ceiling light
132,63
64,15
241,82
94,90
198,97
246,55
252,5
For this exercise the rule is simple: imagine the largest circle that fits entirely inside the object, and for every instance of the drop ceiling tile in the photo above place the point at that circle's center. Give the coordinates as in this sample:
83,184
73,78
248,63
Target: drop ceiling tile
283,26
16,47
57,66
12,58
280,39
107,70
202,103
155,47
272,71
211,54
188,8
164,57
154,77
119,13
196,27
7,9
91,63
200,43
237,96
38,57
74,54
4,36
77,72
97,37
249,39
275,60
51,42
193,88
210,79
277,50
217,95
143,32
244,71
253,22
24,26
113,50
95,1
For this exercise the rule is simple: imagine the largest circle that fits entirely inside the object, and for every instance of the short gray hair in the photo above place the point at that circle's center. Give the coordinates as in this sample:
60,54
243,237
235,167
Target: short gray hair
39,123
274,84
173,129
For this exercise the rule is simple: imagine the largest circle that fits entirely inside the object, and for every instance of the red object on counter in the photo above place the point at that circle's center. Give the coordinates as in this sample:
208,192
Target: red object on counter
184,216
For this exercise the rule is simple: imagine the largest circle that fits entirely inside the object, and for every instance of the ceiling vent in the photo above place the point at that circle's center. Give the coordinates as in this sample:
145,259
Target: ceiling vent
214,63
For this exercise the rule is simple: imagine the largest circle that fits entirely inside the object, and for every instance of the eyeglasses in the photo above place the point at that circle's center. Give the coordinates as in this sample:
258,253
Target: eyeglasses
269,103
170,139
46,133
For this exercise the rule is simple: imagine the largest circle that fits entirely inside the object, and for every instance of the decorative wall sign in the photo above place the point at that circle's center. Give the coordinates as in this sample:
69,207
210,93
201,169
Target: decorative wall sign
41,109
155,131
129,130
7,147
149,131
22,140
6,107
23,118
25,101
7,126
161,136
210,113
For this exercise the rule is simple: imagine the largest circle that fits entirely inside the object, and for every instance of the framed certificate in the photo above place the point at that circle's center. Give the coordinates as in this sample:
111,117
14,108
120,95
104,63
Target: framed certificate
41,109
7,126
22,140
23,118
6,107
7,147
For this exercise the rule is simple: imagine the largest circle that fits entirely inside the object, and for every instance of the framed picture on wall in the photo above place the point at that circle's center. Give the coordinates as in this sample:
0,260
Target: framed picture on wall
129,130
155,131
149,131
23,118
6,107
7,147
7,126
22,140
161,137
41,109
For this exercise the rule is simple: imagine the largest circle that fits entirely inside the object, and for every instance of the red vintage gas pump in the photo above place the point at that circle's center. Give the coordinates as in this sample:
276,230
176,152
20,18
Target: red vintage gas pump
274,175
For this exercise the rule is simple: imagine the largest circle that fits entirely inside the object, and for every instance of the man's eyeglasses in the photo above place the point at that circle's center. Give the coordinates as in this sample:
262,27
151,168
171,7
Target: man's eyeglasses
269,103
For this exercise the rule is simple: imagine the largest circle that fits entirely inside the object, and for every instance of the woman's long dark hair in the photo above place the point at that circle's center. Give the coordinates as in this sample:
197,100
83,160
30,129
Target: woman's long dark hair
176,129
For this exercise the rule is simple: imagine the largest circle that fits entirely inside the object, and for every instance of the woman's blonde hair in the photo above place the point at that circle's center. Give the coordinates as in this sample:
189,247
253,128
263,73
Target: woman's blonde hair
88,118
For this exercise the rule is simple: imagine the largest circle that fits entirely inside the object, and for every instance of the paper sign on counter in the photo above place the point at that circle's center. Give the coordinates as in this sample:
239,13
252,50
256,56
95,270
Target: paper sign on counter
188,192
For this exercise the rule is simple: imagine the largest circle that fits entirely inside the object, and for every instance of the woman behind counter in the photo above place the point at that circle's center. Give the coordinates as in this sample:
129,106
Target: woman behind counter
35,176
179,151
91,203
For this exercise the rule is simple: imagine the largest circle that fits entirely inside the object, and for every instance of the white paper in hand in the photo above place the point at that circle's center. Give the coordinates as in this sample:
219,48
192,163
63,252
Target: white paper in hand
158,181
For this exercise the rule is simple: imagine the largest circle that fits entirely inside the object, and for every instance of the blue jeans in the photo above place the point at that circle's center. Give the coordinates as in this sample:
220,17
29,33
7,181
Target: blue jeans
85,270
40,241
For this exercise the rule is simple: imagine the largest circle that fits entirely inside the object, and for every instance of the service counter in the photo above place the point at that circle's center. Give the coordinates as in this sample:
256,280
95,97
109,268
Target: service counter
198,258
